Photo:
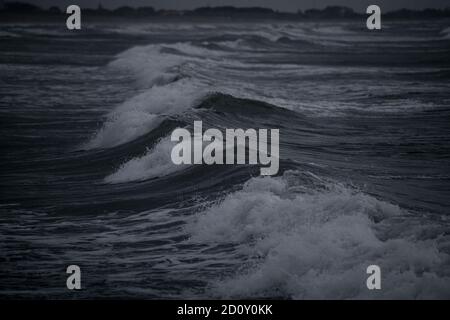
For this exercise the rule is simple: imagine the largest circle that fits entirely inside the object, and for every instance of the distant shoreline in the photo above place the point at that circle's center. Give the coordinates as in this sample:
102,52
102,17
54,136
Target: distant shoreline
24,18
20,11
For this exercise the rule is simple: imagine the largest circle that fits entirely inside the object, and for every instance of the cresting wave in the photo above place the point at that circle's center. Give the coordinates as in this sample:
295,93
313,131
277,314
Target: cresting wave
165,90
156,162
172,78
306,238
145,112
166,75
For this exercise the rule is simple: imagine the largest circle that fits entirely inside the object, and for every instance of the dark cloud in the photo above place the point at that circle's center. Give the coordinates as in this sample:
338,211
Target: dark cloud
284,5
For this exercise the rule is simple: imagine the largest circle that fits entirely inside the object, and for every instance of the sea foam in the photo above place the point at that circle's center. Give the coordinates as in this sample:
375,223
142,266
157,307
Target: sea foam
306,243
446,33
155,163
165,90
144,112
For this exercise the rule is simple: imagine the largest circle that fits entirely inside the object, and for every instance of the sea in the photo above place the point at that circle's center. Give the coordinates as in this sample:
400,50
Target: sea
87,179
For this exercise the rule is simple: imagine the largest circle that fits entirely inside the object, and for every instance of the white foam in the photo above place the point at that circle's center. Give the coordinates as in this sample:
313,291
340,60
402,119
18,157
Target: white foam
157,71
142,29
446,33
155,163
8,34
318,244
144,112
149,65
265,34
154,64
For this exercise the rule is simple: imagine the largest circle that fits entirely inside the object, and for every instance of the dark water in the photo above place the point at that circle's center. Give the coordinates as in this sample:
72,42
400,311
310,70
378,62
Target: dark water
87,178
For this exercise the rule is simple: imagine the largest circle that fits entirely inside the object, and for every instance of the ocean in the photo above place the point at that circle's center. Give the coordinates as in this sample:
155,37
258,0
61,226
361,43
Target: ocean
86,176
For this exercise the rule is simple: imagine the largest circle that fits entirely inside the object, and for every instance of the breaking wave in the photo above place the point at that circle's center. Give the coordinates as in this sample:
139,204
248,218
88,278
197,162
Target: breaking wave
306,238
155,163
145,112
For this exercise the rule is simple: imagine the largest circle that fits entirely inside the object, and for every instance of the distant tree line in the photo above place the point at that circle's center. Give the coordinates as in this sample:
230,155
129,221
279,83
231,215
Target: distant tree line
330,12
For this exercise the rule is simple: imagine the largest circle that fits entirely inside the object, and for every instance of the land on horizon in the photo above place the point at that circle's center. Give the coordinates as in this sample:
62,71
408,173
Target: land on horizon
17,10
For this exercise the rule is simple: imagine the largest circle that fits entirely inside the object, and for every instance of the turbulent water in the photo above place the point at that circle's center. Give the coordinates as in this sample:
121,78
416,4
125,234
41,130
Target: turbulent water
86,176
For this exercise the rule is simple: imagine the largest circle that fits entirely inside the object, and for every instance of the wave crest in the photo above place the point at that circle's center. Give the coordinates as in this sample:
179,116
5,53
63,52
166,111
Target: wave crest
145,112
305,242
155,163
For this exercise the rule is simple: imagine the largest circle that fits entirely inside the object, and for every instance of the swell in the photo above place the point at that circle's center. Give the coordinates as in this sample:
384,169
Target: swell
169,89
171,79
191,81
216,111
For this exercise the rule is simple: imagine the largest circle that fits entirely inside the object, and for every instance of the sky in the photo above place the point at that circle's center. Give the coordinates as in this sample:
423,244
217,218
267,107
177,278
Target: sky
281,5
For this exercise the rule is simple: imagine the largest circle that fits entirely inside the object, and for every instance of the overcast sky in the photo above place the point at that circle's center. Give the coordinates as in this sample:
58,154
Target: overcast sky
282,5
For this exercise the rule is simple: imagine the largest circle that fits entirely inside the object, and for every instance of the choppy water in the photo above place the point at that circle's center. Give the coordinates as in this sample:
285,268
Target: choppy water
87,178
